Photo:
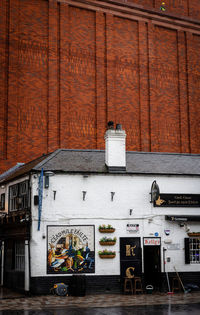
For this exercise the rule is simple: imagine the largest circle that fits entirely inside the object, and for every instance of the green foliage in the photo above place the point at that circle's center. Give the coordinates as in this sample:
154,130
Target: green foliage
106,252
105,227
108,239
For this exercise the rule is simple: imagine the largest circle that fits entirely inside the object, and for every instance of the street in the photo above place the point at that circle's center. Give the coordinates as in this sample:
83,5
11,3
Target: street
166,309
12,303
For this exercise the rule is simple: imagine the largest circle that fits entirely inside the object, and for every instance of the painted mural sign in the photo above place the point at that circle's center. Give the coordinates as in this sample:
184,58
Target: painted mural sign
70,249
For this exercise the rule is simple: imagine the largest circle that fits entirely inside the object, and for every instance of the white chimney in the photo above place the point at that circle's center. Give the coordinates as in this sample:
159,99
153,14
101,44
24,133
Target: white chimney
115,148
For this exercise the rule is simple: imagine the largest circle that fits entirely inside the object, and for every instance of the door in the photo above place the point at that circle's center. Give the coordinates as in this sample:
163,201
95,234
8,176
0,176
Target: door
14,267
152,265
130,255
1,263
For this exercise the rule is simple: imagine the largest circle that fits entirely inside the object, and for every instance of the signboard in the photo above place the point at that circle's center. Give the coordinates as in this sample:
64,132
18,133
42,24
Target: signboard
175,246
130,255
185,218
70,249
151,241
132,227
177,200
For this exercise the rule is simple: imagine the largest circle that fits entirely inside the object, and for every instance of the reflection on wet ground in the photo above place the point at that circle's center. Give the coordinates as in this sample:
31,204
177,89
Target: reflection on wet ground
168,309
12,303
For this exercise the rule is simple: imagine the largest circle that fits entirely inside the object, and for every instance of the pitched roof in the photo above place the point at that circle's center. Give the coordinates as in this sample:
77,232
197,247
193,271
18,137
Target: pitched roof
93,161
10,171
21,169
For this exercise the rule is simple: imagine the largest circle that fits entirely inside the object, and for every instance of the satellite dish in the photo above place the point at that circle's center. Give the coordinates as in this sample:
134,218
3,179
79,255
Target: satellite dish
155,191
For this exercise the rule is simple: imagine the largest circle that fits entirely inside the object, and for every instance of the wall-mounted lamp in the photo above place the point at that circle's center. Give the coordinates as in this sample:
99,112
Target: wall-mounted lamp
112,195
84,194
130,211
47,174
187,228
155,191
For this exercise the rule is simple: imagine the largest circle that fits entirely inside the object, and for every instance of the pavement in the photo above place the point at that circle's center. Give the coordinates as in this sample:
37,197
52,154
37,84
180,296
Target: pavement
10,300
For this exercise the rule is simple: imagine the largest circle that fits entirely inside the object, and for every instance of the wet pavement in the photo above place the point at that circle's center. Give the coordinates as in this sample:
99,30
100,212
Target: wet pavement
13,303
183,309
7,293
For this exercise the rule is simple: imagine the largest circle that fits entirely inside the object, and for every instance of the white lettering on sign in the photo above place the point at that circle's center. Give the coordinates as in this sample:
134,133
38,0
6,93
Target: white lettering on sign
151,241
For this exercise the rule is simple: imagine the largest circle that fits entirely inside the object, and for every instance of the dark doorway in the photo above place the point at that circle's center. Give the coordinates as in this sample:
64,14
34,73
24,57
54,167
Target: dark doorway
152,266
130,255
14,266
0,260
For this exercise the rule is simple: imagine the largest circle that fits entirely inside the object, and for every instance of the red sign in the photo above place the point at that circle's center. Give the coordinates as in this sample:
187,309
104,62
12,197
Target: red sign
151,241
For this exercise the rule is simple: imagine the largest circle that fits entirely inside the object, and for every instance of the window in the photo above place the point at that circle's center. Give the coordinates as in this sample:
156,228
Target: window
19,256
13,197
194,245
19,196
2,202
192,250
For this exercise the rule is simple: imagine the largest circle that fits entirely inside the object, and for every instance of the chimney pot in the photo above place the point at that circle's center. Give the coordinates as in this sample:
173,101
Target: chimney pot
110,124
118,127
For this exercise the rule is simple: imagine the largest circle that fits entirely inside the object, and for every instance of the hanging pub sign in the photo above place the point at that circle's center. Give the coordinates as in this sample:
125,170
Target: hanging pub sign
177,200
70,249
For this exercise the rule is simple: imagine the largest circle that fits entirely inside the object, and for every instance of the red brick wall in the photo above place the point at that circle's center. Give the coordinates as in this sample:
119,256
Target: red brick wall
32,85
165,112
78,100
24,103
3,75
67,70
126,79
194,9
194,91
176,7
143,3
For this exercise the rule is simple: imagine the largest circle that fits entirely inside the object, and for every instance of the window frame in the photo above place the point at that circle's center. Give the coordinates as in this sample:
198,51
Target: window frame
2,201
19,196
191,253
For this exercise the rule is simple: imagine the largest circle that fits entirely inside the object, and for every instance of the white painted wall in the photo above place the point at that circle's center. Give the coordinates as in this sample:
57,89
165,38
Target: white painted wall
131,192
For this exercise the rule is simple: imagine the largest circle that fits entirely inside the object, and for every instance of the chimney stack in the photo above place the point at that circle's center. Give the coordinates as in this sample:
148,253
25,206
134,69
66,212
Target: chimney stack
115,148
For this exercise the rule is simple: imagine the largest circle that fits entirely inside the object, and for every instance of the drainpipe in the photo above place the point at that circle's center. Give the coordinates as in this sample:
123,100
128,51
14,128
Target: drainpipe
2,262
164,262
27,269
27,243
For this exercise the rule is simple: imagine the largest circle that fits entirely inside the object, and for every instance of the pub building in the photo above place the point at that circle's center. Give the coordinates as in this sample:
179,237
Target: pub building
100,215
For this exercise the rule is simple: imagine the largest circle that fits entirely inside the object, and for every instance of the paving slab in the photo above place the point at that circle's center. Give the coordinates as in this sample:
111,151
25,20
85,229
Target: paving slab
17,302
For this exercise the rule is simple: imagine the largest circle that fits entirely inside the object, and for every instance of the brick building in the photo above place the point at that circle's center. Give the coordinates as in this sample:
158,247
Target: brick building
68,67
